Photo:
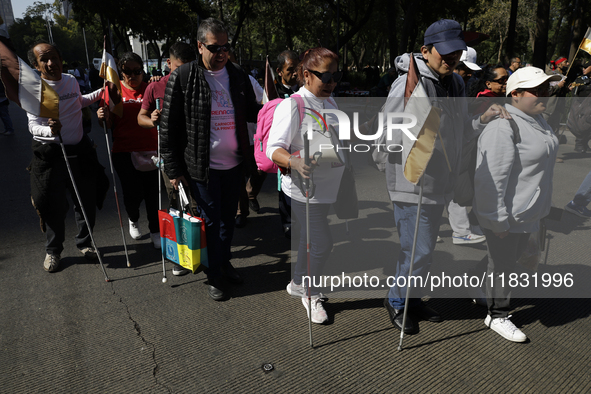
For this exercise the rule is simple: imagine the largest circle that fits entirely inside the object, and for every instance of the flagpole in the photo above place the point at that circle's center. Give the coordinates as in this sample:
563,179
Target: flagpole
86,48
574,57
412,260
113,177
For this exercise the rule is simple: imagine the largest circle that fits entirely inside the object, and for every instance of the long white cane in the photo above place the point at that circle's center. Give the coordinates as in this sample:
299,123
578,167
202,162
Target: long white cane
82,207
160,168
412,260
116,196
307,185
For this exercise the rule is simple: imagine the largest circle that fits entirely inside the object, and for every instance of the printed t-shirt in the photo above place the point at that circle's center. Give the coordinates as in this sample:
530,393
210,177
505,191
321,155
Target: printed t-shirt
223,144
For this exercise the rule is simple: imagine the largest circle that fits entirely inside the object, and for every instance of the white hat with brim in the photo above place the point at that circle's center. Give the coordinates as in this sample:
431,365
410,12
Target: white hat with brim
528,77
469,59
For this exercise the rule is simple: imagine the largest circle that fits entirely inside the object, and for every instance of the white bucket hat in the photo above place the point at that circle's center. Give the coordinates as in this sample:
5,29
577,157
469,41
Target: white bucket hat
528,77
469,59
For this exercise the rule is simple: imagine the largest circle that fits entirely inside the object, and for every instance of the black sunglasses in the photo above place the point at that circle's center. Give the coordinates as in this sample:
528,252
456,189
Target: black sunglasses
138,71
502,80
216,48
326,77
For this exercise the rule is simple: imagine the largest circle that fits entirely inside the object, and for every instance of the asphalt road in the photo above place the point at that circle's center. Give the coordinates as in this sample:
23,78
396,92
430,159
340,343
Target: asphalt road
71,332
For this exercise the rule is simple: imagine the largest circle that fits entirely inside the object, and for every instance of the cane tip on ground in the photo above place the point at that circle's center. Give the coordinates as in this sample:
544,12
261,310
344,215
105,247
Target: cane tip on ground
399,348
164,280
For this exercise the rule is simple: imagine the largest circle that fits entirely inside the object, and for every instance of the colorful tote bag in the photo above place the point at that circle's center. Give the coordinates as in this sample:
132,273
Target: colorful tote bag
183,240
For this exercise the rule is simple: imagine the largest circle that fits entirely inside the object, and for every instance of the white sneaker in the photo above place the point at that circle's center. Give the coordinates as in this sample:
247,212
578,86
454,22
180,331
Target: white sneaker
301,291
468,239
504,327
134,230
296,290
319,315
155,237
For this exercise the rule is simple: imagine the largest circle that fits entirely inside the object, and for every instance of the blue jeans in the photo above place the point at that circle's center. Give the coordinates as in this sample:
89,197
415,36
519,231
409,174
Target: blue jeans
320,242
216,205
405,215
583,196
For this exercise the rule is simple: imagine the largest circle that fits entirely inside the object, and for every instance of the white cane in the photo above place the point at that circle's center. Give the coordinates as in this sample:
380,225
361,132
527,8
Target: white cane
412,260
115,191
307,185
82,206
160,168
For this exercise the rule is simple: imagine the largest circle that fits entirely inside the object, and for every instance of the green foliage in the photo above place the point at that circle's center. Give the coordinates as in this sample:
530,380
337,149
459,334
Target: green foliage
361,34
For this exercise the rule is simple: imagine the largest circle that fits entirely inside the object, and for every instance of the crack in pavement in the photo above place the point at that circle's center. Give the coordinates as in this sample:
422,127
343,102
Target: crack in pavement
138,330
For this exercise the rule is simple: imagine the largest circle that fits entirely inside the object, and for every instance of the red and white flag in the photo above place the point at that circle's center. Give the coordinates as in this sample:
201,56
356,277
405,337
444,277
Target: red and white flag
112,92
24,86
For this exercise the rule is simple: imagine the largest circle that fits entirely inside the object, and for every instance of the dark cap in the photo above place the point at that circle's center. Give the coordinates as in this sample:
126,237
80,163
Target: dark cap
446,35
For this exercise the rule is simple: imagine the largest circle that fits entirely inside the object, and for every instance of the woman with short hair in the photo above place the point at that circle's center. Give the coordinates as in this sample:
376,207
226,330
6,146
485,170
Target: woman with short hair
513,187
130,140
318,72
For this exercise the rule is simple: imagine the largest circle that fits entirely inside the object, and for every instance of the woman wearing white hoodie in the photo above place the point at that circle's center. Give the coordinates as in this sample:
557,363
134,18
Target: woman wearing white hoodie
513,187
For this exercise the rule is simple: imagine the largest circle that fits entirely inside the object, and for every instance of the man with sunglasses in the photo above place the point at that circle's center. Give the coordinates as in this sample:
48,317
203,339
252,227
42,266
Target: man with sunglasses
440,55
204,142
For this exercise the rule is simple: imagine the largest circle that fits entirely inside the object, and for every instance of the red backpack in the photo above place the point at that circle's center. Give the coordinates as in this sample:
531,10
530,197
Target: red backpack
264,122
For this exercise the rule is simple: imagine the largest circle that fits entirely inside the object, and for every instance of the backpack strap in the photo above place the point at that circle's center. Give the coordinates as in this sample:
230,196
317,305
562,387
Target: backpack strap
515,128
300,103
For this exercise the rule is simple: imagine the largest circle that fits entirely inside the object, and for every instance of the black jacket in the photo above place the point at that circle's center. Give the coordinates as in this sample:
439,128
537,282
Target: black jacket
186,116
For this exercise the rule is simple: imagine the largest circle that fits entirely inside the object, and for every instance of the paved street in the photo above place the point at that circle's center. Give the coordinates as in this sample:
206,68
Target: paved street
71,332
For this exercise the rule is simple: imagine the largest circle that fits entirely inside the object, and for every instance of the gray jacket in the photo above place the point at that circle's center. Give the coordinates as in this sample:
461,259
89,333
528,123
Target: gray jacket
513,182
455,126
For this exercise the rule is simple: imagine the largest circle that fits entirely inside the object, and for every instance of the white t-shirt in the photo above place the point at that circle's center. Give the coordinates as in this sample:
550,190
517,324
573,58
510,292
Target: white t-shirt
287,133
223,143
71,103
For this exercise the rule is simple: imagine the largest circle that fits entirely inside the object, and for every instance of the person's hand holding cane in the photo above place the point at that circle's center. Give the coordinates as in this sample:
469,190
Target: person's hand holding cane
55,126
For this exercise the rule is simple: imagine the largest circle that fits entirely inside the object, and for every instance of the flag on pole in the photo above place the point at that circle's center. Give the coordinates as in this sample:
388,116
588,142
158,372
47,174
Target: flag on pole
416,154
112,92
270,90
24,86
586,43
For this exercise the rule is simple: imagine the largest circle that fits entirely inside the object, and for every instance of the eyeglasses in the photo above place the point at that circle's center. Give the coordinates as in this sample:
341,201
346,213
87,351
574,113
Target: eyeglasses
326,77
216,48
540,91
501,81
129,73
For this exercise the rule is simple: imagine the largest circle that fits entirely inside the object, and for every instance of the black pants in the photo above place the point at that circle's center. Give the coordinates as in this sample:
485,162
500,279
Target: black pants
502,258
50,184
138,186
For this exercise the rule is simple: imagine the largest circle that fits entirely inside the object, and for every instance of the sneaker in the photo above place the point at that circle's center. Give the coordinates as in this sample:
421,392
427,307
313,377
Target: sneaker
505,328
88,252
155,237
319,315
468,239
51,262
179,270
578,210
134,230
300,291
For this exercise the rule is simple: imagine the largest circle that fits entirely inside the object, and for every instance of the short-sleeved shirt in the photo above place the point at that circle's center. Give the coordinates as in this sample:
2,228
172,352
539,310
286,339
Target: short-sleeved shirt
153,91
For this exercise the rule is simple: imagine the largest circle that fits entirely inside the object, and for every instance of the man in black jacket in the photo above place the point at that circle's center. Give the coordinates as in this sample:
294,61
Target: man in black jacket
204,141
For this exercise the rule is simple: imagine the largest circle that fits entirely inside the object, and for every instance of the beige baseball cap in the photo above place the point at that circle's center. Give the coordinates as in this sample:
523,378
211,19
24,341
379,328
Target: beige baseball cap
528,77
